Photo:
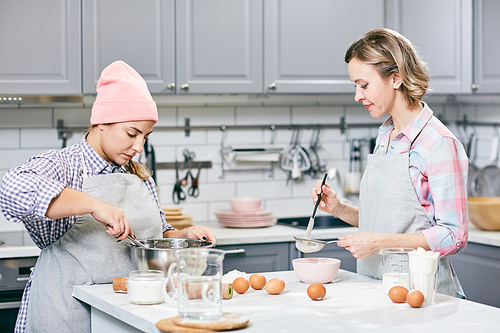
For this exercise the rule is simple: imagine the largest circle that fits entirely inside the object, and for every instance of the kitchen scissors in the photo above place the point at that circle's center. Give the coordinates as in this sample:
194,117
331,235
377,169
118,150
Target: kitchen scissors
178,194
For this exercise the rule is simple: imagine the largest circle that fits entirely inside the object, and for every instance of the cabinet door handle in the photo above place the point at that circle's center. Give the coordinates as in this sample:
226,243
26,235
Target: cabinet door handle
171,86
475,86
236,251
272,86
185,86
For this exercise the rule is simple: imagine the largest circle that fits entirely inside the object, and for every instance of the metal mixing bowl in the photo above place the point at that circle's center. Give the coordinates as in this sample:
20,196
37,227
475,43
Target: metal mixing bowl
160,253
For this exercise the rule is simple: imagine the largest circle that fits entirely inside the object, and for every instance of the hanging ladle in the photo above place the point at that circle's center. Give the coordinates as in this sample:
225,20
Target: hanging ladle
306,244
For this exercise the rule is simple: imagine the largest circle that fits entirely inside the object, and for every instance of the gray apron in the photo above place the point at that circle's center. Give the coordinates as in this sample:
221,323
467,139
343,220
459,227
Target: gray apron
388,204
87,254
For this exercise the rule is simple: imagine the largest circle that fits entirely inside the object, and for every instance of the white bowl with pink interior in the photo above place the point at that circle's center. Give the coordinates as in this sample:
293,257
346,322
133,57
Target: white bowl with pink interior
316,270
245,205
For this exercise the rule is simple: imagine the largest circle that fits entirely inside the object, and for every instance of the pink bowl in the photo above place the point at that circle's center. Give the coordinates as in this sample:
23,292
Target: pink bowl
245,205
316,270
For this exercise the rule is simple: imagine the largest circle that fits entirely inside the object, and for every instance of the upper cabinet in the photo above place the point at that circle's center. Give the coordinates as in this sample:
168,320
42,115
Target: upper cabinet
442,32
219,46
238,46
40,47
141,33
486,46
305,42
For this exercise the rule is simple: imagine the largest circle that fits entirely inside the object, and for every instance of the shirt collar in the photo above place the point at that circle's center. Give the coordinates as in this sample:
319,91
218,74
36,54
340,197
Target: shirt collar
413,129
95,163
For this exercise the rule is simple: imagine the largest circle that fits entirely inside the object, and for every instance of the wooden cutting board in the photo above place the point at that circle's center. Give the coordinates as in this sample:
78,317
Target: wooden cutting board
228,321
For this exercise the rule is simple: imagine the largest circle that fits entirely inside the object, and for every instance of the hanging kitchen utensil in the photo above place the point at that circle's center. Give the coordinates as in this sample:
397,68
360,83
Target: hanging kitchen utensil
149,153
316,166
178,194
353,177
473,168
295,159
486,182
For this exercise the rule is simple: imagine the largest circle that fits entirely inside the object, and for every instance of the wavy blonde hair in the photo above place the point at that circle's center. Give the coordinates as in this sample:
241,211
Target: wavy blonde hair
390,52
135,168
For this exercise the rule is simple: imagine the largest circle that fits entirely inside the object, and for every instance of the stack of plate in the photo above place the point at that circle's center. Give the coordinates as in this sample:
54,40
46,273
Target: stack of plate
176,219
260,218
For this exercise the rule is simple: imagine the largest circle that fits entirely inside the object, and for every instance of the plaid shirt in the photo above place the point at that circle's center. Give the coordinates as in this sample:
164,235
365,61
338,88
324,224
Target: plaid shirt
438,171
27,191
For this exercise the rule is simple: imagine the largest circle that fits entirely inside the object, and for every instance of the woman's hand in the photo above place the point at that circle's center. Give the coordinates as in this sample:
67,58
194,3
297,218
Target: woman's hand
195,232
330,202
361,244
200,232
113,218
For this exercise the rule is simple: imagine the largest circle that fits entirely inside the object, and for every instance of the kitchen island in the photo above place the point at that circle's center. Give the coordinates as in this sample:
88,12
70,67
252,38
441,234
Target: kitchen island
353,303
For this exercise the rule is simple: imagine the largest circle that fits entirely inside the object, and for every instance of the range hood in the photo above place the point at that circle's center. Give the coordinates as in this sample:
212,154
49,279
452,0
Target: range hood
40,99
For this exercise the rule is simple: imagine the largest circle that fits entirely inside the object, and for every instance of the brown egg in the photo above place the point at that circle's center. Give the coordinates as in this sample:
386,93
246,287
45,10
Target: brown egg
398,294
240,285
257,281
316,291
275,286
415,298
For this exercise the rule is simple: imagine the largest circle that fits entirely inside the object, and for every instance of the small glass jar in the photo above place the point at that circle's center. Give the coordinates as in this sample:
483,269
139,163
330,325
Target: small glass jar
144,287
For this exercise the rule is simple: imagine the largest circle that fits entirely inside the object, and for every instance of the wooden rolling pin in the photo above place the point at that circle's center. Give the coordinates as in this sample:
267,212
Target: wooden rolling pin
194,291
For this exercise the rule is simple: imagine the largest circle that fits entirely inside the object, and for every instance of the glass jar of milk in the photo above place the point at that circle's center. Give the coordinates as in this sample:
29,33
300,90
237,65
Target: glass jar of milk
144,287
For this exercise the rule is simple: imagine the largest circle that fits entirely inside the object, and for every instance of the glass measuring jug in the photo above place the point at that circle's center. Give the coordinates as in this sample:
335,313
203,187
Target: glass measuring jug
195,282
395,268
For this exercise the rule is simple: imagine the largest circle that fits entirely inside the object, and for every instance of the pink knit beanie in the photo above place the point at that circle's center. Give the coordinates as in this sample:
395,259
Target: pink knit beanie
122,96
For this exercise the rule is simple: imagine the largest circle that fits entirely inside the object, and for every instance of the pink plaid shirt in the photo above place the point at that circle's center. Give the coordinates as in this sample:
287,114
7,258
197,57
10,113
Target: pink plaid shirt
438,170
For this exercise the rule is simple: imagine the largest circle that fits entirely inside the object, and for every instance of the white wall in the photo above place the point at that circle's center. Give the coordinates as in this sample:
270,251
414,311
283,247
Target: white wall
28,130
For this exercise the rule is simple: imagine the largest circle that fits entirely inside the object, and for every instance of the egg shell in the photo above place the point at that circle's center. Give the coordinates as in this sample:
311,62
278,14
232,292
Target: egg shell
415,298
257,281
240,285
316,291
275,286
397,294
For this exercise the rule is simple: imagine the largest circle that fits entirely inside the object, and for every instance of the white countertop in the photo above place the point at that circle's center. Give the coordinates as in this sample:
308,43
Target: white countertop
273,234
18,251
353,303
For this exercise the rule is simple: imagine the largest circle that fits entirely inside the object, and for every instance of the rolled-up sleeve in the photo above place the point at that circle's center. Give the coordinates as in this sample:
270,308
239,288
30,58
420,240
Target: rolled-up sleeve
447,167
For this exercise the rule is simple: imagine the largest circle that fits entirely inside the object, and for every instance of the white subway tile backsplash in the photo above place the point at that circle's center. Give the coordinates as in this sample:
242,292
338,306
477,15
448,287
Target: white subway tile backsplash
262,115
25,117
40,138
77,117
316,114
208,116
27,131
9,138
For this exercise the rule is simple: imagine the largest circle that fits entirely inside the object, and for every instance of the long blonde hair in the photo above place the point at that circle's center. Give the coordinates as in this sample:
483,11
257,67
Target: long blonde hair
135,168
390,52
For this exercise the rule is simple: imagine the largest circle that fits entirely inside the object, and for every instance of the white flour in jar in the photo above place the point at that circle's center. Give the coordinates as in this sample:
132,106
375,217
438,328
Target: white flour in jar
423,267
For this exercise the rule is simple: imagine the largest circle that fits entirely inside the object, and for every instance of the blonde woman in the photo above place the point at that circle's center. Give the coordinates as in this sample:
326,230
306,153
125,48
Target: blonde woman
413,191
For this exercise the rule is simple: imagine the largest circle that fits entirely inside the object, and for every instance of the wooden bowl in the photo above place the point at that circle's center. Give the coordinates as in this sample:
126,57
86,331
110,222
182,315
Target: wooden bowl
484,212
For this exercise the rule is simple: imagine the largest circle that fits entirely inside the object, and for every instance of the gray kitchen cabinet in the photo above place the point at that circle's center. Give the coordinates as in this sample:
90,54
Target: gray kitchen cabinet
486,46
40,49
442,33
478,269
219,46
305,42
347,261
253,258
141,33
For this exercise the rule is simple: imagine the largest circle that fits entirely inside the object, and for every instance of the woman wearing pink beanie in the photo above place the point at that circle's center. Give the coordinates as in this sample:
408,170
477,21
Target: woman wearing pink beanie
78,203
